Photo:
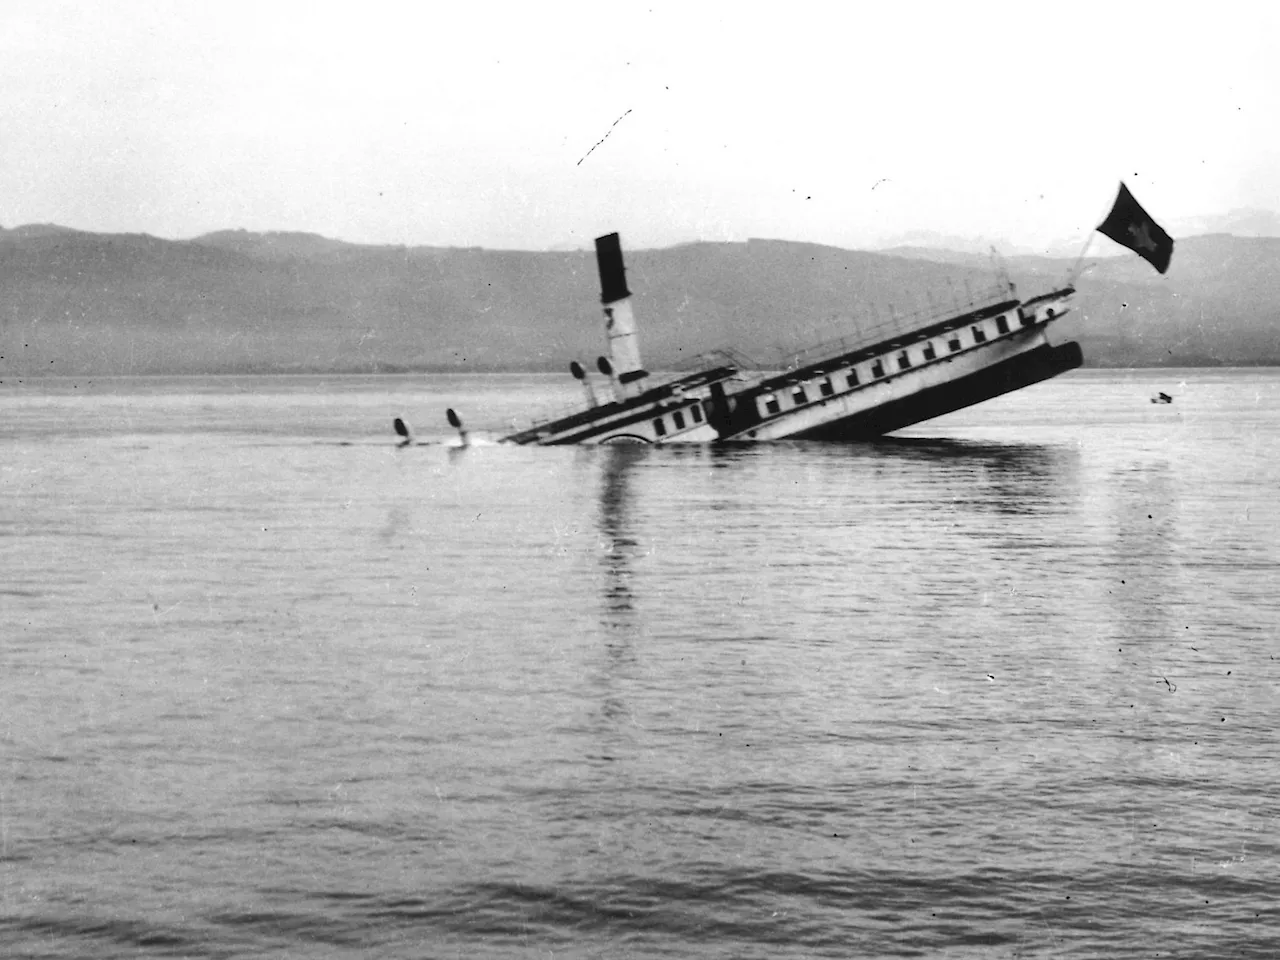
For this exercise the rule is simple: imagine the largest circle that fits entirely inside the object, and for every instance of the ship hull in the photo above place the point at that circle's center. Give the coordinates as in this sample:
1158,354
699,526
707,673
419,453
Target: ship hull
1022,370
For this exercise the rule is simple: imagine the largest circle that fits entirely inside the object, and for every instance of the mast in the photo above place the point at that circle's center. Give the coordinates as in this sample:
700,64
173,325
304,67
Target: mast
619,321
1074,275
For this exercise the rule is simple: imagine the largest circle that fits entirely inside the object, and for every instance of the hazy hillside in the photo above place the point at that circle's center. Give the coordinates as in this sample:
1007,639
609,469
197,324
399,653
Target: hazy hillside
1219,304
78,303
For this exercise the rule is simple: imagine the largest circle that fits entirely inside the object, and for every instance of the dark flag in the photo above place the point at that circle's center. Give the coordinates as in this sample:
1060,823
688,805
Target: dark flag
1131,226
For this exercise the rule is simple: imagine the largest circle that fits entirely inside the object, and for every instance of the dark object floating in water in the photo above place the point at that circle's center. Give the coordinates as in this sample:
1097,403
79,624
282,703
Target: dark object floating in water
403,430
456,423
1162,397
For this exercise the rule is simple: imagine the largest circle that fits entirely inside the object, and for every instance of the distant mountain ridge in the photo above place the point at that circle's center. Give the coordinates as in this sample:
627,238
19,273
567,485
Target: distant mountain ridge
235,301
274,245
1241,222
36,230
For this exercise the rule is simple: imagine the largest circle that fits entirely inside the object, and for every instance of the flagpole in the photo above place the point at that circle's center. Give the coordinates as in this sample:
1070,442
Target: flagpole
1075,269
1074,275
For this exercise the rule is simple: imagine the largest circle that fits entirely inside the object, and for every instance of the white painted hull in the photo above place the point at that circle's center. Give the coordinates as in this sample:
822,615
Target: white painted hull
898,386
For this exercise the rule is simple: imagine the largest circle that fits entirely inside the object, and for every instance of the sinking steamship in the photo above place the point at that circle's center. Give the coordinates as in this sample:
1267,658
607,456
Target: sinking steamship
867,385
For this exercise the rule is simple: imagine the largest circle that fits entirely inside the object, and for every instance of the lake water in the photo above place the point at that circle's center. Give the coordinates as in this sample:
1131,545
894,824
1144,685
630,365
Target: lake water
271,686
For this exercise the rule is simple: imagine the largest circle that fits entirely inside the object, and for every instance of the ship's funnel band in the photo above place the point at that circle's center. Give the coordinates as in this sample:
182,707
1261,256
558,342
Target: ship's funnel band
613,275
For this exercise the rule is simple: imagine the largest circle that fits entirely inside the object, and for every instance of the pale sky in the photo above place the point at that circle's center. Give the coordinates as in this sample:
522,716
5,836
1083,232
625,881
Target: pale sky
537,125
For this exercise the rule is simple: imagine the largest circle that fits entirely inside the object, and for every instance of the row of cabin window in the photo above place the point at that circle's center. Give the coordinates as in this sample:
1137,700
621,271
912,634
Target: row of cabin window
799,397
677,419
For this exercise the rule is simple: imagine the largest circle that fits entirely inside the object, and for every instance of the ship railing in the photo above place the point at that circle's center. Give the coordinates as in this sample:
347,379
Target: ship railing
550,413
722,357
719,357
897,325
545,415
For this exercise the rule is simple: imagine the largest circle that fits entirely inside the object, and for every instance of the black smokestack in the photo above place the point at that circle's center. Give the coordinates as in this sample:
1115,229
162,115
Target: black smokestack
613,276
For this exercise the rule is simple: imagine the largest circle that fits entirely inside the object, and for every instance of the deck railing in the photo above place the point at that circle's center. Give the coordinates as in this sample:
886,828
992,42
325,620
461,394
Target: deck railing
719,357
897,325
604,392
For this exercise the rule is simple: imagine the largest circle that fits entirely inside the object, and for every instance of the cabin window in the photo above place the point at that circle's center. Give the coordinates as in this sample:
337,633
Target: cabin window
877,369
696,412
799,397
678,417
929,352
979,335
659,427
954,344
1002,324
826,387
853,379
771,404
1027,318
904,361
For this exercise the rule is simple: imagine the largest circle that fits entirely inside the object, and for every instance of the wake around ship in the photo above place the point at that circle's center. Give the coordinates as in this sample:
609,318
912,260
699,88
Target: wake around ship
864,386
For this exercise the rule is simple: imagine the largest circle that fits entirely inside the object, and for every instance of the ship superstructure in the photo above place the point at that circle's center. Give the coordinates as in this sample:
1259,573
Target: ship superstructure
915,375
902,373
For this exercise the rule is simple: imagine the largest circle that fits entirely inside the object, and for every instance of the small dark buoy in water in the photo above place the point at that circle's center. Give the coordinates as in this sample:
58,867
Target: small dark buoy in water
402,429
457,425
1162,397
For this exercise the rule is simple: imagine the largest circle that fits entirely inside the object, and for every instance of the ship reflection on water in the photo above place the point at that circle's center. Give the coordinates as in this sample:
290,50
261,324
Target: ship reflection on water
995,478
701,492
618,539
728,560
